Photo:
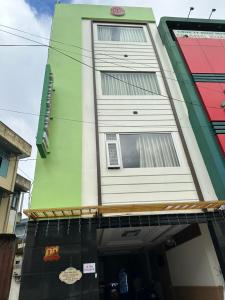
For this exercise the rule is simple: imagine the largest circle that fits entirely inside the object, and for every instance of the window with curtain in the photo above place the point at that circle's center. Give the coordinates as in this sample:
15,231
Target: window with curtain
129,83
147,150
121,33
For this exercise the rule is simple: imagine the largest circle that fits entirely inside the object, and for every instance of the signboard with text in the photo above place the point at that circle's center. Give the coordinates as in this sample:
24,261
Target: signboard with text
89,268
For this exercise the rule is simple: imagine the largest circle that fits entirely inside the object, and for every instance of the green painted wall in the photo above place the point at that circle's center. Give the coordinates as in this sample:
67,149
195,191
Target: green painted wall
58,177
202,128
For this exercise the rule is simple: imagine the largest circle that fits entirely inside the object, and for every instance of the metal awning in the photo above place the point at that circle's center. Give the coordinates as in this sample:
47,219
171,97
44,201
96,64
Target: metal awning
125,209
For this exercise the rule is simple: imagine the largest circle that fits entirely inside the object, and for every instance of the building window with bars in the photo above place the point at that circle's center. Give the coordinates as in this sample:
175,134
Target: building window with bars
141,150
129,83
127,34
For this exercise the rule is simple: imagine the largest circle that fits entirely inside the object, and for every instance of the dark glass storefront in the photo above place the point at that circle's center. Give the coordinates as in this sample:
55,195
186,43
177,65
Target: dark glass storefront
76,245
54,246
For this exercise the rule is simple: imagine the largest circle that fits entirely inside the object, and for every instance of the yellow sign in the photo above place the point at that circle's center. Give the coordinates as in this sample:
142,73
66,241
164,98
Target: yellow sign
51,253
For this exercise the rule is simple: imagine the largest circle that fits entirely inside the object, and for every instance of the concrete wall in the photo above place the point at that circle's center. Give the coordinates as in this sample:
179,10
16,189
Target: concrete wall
4,212
194,268
72,158
7,183
14,290
184,119
64,163
138,184
89,162
135,185
16,278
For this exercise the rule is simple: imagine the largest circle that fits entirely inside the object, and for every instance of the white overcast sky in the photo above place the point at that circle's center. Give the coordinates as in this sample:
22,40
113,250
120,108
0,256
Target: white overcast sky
22,69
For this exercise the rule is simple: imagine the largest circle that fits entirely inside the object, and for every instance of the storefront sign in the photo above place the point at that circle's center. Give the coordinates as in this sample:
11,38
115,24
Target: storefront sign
117,11
199,34
70,275
42,139
51,253
89,268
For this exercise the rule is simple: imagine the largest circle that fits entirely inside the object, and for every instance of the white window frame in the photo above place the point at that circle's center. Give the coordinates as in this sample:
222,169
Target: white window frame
177,144
100,95
118,149
145,30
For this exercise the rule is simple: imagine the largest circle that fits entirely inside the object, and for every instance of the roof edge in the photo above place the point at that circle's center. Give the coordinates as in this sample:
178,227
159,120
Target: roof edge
10,139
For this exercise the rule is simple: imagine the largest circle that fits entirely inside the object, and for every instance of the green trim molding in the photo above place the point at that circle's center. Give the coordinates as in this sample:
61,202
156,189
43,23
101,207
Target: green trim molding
218,127
211,152
58,177
208,77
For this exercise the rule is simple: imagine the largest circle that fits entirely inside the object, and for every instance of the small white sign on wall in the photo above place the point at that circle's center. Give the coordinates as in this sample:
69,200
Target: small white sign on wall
89,268
70,275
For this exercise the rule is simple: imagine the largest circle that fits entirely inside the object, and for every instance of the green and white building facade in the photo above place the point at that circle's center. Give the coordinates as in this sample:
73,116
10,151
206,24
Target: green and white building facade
114,131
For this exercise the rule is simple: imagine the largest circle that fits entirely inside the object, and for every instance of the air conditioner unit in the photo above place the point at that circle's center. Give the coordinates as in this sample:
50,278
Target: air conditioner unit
113,158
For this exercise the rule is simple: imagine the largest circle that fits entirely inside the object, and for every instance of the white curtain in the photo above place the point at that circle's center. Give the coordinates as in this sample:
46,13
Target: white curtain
121,33
156,150
125,83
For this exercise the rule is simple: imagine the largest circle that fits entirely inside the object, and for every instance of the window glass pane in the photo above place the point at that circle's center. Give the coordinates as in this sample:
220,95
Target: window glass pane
121,34
148,150
125,83
130,153
4,164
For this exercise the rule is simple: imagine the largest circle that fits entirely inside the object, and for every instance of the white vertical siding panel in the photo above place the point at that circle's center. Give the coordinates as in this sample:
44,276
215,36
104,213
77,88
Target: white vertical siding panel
89,165
181,109
115,114
149,197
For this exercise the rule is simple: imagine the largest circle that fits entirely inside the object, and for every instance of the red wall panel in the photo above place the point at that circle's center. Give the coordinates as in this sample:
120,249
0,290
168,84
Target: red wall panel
221,139
213,95
203,55
208,56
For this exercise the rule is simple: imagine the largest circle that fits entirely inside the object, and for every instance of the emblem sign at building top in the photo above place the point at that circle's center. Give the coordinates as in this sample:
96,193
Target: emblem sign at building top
70,275
117,11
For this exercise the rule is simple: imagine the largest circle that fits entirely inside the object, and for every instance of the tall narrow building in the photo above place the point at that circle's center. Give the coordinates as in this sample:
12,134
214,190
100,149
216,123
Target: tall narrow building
122,196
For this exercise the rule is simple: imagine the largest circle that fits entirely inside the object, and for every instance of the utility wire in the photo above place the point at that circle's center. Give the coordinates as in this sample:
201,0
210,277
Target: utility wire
103,59
61,118
92,68
59,51
43,45
88,50
20,45
76,46
26,174
80,121
107,74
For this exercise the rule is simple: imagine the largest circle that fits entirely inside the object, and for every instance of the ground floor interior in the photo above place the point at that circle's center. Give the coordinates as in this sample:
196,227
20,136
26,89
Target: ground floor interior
158,262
